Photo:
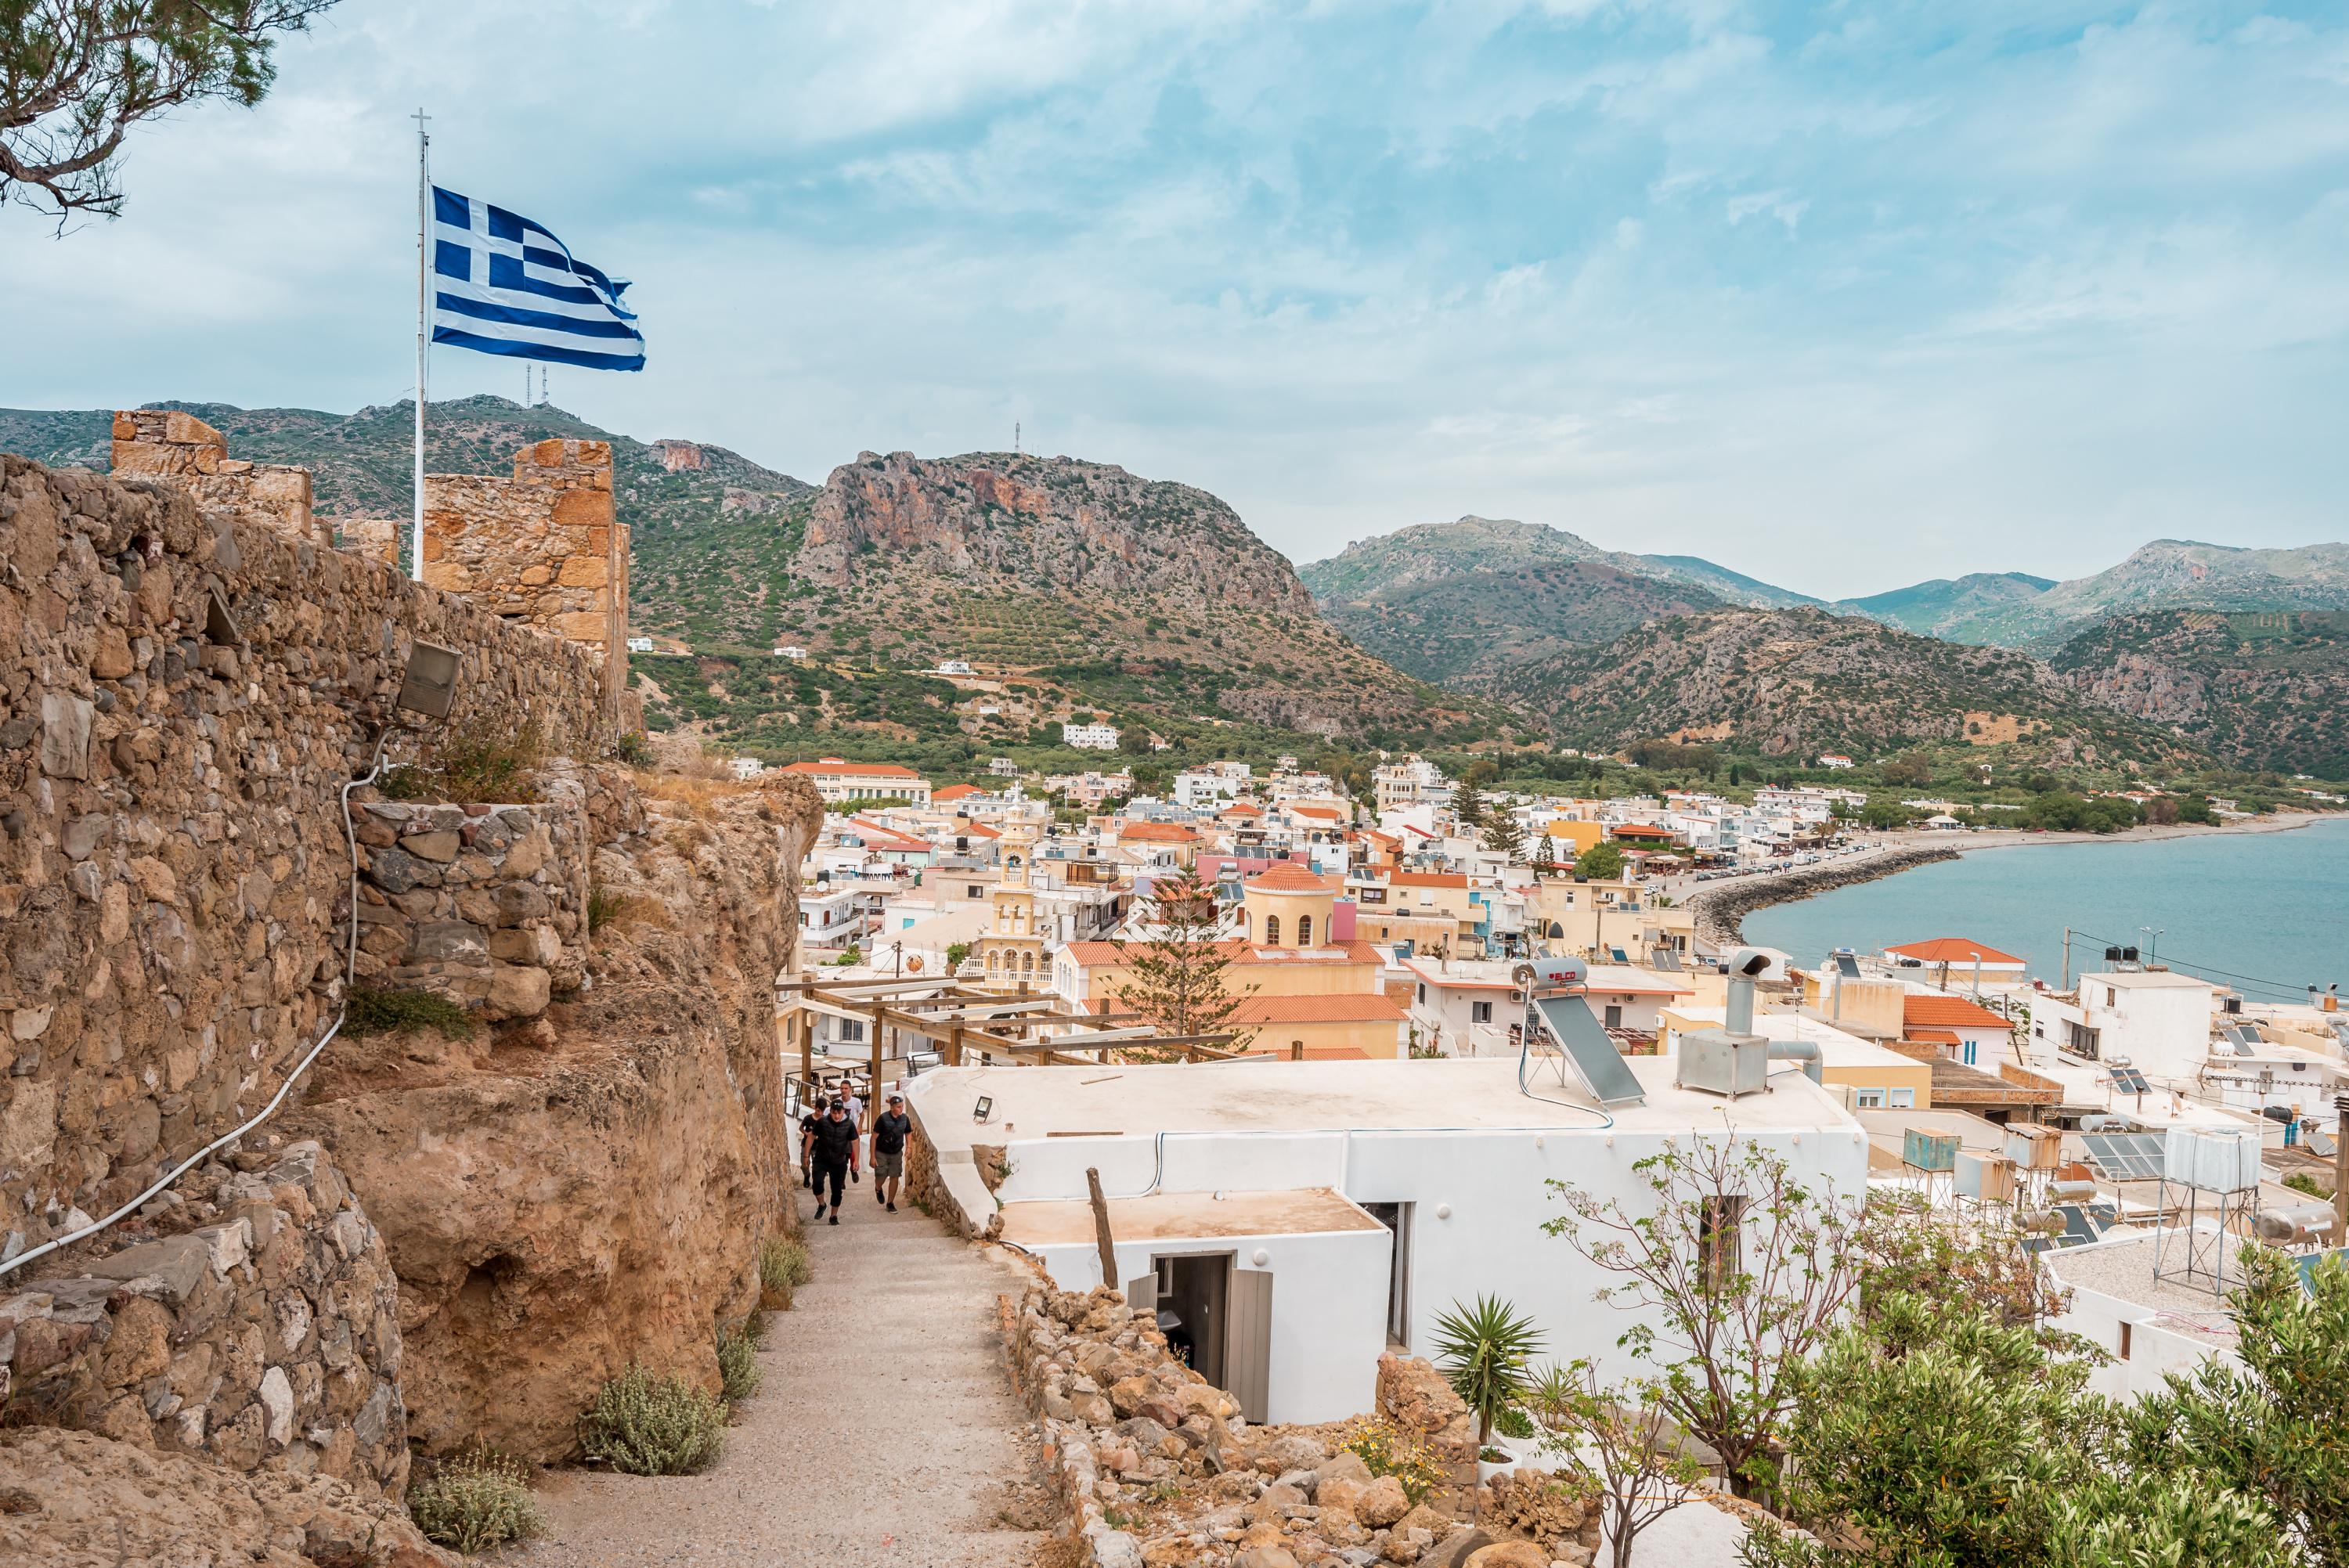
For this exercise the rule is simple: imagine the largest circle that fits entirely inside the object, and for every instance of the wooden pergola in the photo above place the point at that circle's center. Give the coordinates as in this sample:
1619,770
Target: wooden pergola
1029,1027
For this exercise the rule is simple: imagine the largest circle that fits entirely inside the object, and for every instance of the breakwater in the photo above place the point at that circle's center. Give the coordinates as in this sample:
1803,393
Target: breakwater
1721,910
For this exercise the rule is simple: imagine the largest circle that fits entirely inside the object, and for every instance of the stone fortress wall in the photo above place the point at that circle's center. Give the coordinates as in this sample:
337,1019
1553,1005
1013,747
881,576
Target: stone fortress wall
189,675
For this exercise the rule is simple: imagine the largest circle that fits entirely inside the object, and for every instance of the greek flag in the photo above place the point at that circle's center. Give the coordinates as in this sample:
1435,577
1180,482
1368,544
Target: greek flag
502,285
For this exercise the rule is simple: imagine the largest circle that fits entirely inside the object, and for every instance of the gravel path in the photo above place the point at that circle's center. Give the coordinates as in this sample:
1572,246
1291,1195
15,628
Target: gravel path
885,1432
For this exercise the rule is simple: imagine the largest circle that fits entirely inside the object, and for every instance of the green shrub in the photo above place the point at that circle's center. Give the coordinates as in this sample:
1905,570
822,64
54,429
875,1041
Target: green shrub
783,1267
374,1012
478,1499
738,1363
633,750
644,1425
1514,1423
1386,1449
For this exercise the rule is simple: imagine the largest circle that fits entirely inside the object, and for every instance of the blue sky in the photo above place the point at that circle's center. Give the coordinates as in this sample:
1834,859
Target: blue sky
1841,296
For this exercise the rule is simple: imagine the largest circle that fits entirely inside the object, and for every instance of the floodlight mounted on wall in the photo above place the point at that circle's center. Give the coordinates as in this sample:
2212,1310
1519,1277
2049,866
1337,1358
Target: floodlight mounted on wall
430,685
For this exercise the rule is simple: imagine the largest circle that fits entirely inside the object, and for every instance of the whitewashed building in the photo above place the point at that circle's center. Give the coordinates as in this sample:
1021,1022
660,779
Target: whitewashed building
1296,1217
1089,736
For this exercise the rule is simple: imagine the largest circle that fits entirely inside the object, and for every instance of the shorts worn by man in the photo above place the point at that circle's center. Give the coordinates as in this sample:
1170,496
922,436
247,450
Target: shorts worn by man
836,1157
890,1130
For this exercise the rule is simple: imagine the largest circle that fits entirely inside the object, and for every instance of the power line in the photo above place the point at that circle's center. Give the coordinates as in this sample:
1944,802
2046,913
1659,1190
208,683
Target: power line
2284,986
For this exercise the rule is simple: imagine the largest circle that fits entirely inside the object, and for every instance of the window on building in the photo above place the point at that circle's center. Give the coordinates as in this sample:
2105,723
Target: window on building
1423,990
1718,1224
1304,930
852,1030
2126,1338
1272,929
1904,1100
1968,1052
1869,1098
1480,1012
1614,1018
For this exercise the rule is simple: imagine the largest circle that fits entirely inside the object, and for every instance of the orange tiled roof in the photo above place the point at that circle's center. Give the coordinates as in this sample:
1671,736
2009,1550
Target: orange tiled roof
1426,879
1312,1053
830,769
1934,1036
954,792
1952,950
1947,1013
1156,833
1289,877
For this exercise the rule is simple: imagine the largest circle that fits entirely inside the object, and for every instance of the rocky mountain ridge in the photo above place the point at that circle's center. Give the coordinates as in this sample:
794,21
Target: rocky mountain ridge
2260,690
1793,682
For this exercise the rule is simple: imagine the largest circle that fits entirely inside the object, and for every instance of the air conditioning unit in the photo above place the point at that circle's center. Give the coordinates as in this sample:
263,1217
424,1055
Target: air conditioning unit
1718,1062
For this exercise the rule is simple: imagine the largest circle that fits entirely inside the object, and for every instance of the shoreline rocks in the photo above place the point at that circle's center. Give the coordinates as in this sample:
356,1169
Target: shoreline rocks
1720,911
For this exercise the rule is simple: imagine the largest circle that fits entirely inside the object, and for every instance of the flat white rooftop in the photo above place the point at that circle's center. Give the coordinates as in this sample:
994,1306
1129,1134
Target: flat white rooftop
2146,980
1470,1094
1186,1216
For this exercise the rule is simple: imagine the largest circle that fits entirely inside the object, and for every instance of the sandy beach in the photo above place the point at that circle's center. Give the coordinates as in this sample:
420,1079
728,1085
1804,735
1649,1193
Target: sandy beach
1964,839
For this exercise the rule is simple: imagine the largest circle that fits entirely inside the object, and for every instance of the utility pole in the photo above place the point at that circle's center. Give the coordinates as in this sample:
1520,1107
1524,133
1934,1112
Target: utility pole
2066,984
2340,1165
2152,935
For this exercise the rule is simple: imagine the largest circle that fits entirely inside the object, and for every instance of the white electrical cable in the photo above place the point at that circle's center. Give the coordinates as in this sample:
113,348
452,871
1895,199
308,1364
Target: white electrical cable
350,973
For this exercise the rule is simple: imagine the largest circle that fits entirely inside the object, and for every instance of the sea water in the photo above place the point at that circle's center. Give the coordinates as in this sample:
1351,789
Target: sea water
2268,913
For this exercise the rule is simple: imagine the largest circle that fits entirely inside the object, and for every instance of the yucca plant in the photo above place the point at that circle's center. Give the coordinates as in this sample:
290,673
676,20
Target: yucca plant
1484,1351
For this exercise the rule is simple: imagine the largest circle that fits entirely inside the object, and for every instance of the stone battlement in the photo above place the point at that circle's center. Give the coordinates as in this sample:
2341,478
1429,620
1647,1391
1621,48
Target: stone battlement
544,548
164,443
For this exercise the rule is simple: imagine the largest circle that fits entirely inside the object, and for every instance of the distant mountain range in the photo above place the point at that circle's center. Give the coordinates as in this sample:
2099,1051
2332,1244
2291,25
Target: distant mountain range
1086,588
2006,609
1079,588
2257,689
1793,682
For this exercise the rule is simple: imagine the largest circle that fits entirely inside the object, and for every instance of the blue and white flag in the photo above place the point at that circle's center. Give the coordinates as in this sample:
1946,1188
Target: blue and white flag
502,285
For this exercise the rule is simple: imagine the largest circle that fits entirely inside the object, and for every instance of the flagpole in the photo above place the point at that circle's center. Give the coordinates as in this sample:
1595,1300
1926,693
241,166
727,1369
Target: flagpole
423,334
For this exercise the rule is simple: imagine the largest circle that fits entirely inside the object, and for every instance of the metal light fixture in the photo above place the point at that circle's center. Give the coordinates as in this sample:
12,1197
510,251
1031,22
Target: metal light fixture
428,686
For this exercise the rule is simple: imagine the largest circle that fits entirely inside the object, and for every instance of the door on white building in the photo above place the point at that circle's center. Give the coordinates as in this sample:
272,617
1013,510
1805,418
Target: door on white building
1396,1218
1191,1293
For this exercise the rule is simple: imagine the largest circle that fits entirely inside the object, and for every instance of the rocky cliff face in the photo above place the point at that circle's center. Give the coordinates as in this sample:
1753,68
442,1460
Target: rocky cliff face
588,1188
1137,596
2260,690
1021,521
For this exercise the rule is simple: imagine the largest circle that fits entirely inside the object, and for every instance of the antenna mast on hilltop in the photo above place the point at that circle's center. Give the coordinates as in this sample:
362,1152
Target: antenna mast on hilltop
1015,438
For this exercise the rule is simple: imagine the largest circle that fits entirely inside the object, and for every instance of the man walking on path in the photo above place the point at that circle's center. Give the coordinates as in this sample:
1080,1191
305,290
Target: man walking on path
835,1156
889,1132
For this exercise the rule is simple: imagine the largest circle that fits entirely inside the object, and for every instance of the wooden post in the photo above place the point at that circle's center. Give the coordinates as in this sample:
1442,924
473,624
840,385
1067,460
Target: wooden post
873,1084
2341,1168
1101,1232
807,1040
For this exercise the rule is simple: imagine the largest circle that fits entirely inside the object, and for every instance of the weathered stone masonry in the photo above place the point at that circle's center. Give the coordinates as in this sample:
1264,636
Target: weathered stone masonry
173,875
159,443
544,548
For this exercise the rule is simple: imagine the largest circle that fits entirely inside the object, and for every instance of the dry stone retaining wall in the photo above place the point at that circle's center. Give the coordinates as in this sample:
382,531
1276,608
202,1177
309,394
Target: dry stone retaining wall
247,1317
485,905
182,697
1157,1470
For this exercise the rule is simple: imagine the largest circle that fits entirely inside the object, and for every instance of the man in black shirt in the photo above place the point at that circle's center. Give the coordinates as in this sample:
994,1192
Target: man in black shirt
835,1156
889,1131
808,1118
